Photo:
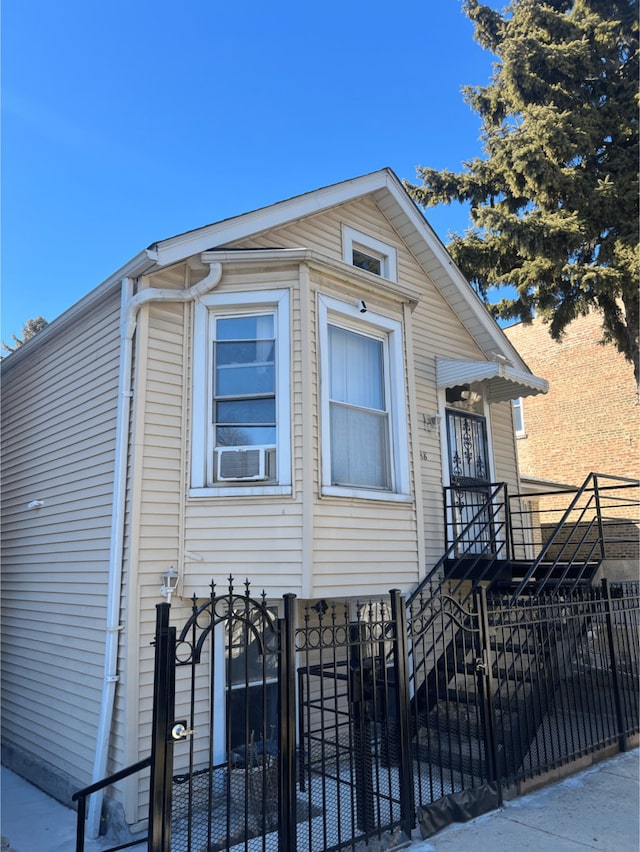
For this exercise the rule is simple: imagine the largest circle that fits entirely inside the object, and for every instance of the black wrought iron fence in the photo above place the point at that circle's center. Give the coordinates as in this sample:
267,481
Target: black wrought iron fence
354,778
321,725
561,533
566,670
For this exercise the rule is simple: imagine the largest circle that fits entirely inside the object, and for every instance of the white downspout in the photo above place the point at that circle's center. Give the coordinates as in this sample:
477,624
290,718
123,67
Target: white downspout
129,307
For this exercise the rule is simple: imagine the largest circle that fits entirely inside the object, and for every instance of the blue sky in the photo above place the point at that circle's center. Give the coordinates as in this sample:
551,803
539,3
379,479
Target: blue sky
130,121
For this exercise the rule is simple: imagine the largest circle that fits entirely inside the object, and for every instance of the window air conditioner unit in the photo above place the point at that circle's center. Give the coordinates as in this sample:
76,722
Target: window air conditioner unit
244,463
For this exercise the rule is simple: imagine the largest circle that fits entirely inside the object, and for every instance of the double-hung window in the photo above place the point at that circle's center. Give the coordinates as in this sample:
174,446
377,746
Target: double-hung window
241,394
364,445
358,409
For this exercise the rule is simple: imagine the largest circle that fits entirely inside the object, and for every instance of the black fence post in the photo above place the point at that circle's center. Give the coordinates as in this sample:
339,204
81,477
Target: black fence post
287,820
620,724
401,686
486,689
164,689
362,677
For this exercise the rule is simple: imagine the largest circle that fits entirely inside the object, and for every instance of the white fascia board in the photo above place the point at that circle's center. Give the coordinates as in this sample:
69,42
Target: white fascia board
177,248
139,265
480,313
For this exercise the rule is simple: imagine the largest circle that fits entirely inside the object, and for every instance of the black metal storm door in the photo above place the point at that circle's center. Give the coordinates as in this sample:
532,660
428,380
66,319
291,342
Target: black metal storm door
469,473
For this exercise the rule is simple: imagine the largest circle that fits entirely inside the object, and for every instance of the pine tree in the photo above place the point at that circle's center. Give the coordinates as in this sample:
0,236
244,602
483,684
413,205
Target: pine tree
30,328
554,199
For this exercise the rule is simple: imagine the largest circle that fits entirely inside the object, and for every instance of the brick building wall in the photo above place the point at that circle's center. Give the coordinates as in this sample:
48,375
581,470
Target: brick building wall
589,420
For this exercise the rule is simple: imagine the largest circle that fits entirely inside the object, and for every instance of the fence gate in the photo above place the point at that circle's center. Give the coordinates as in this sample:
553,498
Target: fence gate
243,761
223,751
452,720
340,725
354,775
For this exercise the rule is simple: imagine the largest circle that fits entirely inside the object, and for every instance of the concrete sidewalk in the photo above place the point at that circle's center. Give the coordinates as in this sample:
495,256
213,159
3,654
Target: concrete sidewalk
598,808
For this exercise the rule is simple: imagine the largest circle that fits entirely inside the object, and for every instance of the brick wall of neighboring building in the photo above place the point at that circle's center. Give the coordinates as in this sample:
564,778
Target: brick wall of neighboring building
589,420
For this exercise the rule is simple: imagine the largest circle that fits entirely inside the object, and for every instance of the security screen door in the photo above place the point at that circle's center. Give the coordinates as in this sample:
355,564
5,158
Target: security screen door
470,477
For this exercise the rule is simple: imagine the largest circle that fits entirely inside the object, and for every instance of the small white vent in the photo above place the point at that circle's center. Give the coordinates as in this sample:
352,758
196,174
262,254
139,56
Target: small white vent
245,464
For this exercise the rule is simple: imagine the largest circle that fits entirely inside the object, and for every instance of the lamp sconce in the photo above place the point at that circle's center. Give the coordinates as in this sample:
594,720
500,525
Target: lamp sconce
170,580
431,422
35,504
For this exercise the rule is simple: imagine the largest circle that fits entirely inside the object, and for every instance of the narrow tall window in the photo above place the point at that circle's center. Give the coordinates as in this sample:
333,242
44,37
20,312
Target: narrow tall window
359,411
518,417
363,404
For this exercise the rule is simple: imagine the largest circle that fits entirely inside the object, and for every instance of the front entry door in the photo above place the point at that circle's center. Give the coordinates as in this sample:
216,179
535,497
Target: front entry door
470,477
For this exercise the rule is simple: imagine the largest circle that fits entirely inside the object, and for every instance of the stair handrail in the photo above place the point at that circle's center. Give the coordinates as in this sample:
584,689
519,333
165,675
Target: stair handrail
590,483
462,536
81,796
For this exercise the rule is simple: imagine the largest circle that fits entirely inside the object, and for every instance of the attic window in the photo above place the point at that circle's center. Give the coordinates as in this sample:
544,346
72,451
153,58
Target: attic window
368,253
366,261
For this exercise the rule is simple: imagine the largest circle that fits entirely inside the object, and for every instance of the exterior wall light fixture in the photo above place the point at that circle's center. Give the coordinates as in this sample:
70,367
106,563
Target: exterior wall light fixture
169,583
431,422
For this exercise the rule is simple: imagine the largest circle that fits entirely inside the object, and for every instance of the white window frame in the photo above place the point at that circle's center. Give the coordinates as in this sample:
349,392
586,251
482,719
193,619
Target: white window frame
370,245
518,412
349,316
207,309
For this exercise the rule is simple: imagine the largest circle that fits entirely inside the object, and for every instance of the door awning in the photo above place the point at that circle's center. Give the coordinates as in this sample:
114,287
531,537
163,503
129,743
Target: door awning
500,381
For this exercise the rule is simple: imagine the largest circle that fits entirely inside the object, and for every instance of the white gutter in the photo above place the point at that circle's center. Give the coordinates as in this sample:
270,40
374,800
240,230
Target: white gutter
129,307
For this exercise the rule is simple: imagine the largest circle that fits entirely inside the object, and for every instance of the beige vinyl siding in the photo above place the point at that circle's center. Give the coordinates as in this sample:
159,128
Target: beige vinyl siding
352,560
435,331
360,547
504,446
59,406
363,549
255,537
156,491
305,543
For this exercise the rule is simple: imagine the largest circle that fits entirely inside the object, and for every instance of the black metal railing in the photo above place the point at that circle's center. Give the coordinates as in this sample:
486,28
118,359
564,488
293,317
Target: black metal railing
392,712
561,546
427,705
473,545
81,797
571,686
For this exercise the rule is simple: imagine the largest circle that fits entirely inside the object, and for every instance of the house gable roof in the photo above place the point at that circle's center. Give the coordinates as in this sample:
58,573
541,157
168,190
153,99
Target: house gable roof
403,214
393,201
